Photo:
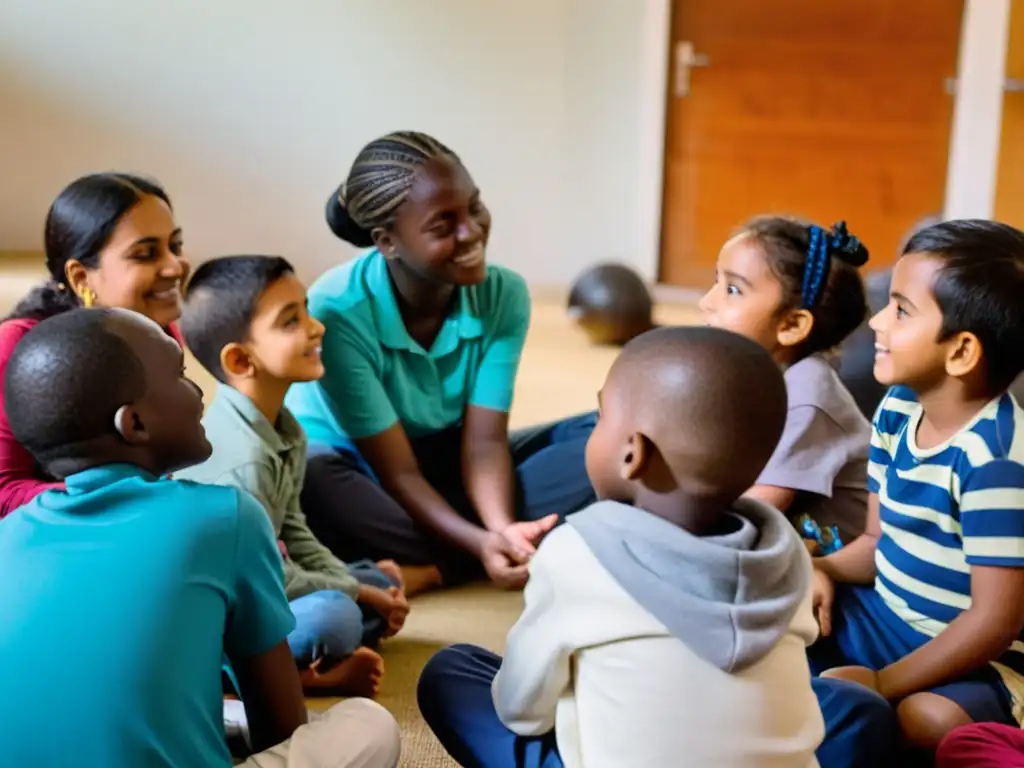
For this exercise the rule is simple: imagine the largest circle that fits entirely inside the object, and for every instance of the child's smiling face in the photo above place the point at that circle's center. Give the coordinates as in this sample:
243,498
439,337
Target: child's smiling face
908,349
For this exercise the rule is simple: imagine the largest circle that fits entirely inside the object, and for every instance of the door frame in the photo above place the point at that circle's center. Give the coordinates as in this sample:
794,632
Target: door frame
975,71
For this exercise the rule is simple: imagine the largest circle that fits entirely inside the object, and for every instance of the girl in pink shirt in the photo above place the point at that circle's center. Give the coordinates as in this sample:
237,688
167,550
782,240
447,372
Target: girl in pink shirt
111,241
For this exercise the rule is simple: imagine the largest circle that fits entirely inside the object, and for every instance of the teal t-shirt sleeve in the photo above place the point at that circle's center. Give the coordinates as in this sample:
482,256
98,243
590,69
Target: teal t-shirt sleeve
260,616
496,375
352,388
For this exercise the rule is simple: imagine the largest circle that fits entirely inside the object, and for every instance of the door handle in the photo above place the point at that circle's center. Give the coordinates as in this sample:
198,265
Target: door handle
685,59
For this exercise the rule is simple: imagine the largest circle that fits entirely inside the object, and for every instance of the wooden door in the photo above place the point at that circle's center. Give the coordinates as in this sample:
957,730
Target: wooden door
1010,181
824,109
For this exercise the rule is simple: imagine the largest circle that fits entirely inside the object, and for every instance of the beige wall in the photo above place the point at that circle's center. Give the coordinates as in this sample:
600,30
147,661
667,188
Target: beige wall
250,112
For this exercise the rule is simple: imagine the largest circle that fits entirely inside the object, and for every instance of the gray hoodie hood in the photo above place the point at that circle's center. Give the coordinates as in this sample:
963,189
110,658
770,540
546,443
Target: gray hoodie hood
729,598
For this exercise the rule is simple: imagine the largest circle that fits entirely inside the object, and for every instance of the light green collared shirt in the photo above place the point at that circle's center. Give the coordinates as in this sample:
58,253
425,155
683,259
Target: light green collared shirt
269,461
377,375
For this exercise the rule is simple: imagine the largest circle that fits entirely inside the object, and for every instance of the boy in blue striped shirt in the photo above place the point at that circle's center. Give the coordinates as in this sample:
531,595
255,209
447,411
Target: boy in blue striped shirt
927,607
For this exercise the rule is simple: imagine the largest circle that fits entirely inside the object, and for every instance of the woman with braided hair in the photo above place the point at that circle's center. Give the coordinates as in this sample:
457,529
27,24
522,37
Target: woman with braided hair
411,458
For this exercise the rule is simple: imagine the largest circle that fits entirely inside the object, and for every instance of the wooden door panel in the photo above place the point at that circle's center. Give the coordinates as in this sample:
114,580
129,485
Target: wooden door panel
822,110
1009,203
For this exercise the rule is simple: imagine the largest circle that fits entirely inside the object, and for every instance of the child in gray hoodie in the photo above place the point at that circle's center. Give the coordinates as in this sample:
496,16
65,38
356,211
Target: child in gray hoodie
667,624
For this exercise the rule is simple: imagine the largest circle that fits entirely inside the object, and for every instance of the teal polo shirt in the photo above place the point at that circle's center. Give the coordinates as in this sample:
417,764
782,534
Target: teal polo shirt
119,597
377,375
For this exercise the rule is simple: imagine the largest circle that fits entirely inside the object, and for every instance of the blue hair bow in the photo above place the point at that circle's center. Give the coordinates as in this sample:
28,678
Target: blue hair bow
823,245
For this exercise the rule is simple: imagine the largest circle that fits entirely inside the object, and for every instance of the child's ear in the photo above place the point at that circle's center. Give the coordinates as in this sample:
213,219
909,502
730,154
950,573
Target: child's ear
236,361
635,456
794,327
964,355
130,426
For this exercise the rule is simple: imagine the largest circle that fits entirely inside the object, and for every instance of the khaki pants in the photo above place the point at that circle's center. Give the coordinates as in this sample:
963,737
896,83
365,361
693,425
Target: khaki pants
356,733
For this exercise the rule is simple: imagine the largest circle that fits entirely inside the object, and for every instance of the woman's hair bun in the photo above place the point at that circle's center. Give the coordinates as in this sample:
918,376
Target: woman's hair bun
343,226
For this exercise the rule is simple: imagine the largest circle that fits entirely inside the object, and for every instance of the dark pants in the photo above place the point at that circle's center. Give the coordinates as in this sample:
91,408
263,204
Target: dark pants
455,698
357,519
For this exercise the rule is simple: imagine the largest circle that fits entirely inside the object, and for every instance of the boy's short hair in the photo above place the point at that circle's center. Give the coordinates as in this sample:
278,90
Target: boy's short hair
66,380
980,289
715,401
220,304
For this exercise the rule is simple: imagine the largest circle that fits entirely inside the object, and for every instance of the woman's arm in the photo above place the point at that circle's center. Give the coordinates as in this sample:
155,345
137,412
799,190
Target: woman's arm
391,457
486,460
20,481
360,402
487,466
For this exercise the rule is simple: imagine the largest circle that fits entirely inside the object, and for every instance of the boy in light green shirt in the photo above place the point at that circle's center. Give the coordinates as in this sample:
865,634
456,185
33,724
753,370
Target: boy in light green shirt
245,320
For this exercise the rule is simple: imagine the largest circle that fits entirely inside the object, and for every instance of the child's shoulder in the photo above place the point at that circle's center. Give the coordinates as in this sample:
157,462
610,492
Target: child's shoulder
814,383
897,407
235,438
996,435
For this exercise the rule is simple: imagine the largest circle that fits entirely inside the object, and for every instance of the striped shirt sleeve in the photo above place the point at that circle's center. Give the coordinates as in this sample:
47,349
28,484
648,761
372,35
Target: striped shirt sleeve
992,514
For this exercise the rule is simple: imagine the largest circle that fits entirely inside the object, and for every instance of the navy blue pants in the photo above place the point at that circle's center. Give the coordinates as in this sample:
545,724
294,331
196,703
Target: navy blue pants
455,698
357,519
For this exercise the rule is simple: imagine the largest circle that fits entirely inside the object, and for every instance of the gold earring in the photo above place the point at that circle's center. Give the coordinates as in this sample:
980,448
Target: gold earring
88,297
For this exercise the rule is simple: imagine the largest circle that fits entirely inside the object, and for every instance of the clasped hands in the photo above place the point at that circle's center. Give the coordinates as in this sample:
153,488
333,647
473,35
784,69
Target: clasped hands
506,555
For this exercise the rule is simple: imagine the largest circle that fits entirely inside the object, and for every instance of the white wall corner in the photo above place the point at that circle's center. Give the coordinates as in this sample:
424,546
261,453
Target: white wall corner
977,111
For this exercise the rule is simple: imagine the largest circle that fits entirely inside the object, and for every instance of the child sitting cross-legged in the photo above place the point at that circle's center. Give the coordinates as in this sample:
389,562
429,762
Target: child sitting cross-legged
245,320
667,624
927,607
122,591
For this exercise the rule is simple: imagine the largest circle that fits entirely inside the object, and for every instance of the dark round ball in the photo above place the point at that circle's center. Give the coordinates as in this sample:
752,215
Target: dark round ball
611,304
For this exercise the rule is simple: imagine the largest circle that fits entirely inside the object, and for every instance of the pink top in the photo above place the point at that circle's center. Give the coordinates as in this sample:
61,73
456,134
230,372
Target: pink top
20,478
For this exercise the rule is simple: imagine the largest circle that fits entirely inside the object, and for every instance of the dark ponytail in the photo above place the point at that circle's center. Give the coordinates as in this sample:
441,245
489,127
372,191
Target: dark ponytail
379,183
79,225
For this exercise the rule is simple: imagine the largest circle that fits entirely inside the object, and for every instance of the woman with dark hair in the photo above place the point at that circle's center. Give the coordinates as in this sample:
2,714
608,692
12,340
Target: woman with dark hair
110,241
411,455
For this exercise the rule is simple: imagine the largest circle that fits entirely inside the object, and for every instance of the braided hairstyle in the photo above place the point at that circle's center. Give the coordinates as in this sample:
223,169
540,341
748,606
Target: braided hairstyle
378,184
79,225
818,273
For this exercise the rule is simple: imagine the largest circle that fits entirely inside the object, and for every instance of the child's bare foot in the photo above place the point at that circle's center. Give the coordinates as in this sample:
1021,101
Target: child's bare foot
358,675
420,578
